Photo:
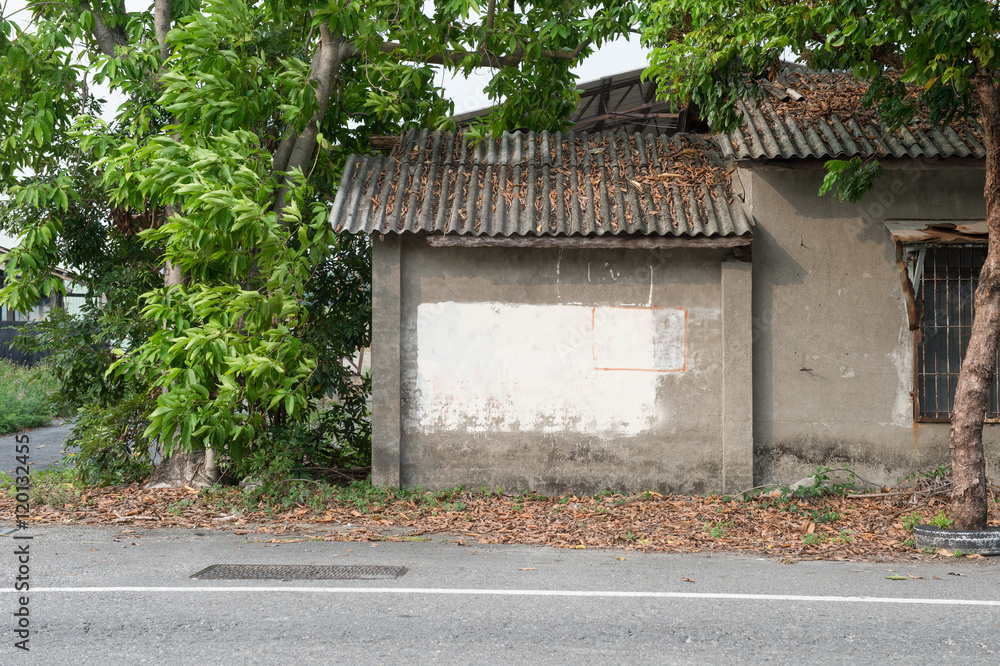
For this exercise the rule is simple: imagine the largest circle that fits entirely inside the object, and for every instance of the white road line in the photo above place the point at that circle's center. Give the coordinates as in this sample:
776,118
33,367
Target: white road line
514,593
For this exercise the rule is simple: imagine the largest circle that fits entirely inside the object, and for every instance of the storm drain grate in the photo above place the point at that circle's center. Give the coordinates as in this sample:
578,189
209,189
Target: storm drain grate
297,572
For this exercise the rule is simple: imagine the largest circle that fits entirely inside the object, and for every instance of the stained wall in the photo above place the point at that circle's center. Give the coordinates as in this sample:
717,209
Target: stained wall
561,369
833,357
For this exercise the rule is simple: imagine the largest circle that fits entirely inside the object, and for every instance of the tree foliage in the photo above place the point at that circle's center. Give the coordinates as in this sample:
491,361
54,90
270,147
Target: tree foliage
222,162
935,60
919,58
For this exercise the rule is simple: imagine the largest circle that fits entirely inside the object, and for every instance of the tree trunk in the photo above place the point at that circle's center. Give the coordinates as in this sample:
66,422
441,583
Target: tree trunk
197,469
183,469
968,461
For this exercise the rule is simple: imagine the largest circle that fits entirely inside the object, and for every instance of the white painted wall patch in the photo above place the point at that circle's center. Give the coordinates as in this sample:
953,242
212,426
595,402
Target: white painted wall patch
501,367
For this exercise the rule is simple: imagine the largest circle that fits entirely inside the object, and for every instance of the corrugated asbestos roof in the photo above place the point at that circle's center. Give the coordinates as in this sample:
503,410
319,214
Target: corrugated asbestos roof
527,184
828,122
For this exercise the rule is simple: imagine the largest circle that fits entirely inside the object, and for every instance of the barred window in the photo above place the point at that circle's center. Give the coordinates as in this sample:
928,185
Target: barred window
947,285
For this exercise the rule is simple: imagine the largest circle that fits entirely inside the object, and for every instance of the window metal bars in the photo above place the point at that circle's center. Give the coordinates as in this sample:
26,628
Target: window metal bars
947,286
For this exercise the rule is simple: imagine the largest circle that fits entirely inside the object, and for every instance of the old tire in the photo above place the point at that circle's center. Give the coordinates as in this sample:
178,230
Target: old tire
983,542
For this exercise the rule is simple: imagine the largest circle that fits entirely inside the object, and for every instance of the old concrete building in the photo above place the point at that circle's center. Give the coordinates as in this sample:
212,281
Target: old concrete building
556,311
861,312
584,311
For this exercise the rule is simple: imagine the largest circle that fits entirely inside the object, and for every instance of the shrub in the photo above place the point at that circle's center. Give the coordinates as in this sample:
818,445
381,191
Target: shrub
112,448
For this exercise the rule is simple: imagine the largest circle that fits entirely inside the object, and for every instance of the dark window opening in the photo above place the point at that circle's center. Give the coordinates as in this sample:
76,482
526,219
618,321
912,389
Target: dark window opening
947,286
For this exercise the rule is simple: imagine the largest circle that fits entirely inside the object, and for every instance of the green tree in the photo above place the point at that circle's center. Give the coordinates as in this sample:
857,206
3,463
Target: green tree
936,58
226,154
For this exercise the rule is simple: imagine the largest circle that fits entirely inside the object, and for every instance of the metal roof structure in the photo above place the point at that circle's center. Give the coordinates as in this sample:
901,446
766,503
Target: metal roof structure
527,184
806,113
621,101
937,231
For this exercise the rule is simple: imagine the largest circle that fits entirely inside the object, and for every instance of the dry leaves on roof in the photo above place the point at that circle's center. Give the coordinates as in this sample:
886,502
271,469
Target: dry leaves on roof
824,95
828,95
554,179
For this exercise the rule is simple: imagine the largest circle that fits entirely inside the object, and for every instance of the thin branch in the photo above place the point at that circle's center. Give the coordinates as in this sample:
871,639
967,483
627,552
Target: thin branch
315,162
491,15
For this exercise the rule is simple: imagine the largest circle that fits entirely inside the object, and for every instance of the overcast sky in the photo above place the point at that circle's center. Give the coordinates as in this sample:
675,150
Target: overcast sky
618,56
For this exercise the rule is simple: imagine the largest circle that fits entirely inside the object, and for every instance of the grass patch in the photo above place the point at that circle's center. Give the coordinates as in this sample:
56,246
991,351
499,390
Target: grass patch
54,487
24,396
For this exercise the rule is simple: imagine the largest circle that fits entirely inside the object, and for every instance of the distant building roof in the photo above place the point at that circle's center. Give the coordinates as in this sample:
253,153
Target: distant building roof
57,271
806,113
527,184
620,101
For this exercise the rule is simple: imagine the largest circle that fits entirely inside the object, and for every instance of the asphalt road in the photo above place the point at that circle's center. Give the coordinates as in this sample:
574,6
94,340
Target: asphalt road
107,596
46,446
118,596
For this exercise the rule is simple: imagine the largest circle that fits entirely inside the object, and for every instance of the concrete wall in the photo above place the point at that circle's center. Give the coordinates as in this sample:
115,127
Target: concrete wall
561,370
832,355
583,370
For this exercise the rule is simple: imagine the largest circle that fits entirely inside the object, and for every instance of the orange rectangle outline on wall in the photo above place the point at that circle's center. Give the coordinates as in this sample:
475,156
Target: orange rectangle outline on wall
593,350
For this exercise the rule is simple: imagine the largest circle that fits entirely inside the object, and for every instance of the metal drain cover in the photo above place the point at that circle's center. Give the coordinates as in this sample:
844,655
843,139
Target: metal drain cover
297,572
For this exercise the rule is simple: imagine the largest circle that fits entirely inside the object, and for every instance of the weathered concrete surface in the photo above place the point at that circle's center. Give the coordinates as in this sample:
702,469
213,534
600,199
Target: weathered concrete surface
386,268
737,392
558,370
833,359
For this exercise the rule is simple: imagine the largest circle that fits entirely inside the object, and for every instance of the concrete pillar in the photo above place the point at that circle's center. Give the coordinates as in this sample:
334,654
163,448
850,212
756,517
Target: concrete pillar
737,376
386,430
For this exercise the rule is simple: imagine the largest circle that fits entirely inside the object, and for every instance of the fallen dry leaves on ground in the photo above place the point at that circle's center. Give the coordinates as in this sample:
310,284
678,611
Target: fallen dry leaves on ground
872,526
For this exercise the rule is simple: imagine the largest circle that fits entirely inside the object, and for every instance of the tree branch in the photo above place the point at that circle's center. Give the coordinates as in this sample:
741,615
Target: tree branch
567,55
279,163
107,38
161,23
491,14
296,150
888,57
883,54
332,51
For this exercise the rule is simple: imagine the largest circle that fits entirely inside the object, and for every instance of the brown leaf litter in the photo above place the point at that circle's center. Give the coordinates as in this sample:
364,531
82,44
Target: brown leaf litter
860,527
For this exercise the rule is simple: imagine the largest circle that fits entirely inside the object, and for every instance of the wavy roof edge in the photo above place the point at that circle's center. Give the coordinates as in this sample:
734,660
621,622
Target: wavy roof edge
595,184
779,127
